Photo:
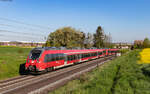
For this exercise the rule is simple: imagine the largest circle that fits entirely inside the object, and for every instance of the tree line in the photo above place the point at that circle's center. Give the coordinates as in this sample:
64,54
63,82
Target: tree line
70,37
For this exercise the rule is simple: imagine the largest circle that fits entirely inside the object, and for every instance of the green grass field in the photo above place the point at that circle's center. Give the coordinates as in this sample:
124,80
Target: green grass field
10,60
120,76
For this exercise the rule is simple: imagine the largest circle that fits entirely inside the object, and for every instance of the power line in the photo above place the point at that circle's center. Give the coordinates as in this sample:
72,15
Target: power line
19,22
8,25
31,34
26,37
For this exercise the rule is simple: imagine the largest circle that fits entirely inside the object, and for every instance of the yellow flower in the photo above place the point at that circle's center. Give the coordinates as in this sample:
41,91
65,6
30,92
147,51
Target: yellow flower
145,56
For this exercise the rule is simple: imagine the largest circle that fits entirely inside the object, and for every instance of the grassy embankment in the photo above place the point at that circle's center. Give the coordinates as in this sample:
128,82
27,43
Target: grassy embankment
10,60
120,76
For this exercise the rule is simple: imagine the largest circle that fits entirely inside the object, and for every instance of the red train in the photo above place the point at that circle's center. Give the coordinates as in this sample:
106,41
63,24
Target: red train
47,59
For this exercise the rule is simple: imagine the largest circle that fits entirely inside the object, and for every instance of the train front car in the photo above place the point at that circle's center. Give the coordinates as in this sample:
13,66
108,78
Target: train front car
34,60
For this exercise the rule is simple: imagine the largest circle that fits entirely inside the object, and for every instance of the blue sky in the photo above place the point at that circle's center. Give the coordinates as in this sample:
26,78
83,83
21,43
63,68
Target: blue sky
126,20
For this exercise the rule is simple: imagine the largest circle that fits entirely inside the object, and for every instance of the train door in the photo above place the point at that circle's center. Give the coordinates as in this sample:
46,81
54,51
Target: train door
80,58
66,59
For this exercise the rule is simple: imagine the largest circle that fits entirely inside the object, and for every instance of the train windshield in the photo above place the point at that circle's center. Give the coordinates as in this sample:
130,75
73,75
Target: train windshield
35,54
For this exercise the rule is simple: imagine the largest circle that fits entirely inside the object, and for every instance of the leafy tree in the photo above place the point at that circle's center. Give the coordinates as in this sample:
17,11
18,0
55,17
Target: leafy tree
88,40
99,38
108,41
66,37
138,44
146,43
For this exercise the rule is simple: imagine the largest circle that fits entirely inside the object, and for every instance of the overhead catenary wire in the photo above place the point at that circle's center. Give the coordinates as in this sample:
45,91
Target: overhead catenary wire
23,23
22,27
25,37
30,34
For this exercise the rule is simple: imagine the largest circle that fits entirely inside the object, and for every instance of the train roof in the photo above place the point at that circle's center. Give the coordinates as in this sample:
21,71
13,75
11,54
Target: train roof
67,51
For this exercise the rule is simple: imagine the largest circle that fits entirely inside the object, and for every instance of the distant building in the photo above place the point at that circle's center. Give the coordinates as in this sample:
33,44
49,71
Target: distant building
21,44
138,42
122,45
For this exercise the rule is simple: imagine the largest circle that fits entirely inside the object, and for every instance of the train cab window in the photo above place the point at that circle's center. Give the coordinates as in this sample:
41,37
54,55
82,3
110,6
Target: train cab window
35,54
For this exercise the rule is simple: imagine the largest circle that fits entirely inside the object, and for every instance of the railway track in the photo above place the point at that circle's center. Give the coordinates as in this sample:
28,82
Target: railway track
49,81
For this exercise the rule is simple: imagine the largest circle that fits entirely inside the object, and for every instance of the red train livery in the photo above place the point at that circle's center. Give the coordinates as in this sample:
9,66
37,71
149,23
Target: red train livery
47,59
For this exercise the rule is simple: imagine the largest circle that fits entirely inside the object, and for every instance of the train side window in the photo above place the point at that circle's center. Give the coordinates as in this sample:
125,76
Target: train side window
74,57
46,58
78,56
61,56
95,54
49,58
86,54
57,57
71,57
53,57
68,57
82,55
90,54
100,53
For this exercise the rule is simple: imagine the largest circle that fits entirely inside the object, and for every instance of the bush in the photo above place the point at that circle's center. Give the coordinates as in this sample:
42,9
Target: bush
123,51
